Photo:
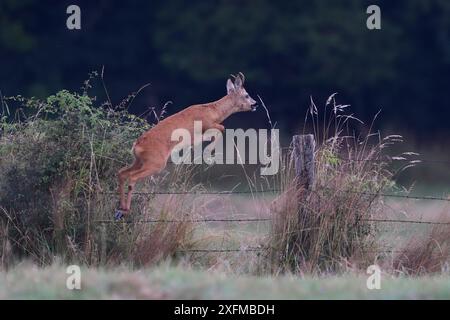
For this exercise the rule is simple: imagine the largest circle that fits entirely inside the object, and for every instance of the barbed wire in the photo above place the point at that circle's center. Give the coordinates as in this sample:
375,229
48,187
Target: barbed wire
389,195
407,221
266,249
241,161
189,220
197,192
396,160
223,250
249,220
405,196
384,159
260,220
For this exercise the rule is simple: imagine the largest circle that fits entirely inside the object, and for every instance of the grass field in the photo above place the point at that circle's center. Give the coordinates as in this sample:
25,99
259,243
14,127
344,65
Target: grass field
26,282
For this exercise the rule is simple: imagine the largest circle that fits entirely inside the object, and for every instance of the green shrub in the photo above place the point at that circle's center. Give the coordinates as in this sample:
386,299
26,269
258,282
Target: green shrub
59,160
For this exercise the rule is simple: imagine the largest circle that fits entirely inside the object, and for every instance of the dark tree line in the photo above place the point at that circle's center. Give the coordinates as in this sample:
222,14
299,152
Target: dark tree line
288,50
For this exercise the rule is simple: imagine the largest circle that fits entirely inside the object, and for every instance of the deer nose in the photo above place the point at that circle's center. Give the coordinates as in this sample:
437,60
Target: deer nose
254,106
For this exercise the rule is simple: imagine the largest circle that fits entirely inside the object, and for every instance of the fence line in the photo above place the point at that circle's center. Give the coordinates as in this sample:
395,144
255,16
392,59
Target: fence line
189,220
251,220
197,192
278,190
223,250
264,220
401,196
265,249
407,221
386,159
417,161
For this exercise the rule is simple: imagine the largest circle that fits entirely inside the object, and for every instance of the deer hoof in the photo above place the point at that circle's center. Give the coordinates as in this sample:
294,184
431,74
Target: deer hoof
119,214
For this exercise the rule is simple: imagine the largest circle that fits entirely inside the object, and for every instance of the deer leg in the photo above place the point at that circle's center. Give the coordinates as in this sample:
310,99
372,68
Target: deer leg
137,175
123,175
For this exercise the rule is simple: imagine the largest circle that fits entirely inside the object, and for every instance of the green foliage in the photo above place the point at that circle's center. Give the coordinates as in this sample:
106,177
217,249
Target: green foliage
330,158
54,155
59,160
68,130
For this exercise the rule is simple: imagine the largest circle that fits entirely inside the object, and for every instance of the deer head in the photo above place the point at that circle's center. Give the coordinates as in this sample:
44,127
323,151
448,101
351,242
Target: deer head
241,99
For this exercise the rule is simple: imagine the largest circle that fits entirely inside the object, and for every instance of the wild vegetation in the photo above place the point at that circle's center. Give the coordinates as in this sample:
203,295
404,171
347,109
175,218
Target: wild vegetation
58,165
59,160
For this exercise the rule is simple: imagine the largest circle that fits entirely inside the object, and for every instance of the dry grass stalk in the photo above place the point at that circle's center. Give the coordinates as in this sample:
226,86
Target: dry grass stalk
332,225
425,254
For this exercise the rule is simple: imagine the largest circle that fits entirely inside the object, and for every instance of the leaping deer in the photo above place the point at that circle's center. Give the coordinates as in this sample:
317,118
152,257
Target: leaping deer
153,148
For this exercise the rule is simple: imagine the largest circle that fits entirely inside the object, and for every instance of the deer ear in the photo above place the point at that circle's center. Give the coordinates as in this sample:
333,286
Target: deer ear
230,86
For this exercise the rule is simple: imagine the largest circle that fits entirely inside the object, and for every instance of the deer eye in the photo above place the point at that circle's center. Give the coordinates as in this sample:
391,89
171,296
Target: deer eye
247,96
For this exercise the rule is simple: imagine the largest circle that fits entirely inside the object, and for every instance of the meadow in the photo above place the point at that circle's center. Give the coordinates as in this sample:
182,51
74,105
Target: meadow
168,282
204,231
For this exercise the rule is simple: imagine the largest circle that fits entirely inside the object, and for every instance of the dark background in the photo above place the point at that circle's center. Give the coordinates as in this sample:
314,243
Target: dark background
288,50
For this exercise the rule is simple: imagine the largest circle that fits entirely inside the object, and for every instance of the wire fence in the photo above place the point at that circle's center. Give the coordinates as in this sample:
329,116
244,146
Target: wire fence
223,250
391,159
401,160
263,220
270,219
258,250
386,195
388,158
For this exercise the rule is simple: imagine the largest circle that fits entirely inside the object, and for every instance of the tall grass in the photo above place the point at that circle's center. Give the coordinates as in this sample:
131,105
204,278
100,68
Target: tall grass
58,164
329,228
426,253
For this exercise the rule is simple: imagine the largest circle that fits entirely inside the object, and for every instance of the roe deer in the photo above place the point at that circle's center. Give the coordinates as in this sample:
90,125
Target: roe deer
153,148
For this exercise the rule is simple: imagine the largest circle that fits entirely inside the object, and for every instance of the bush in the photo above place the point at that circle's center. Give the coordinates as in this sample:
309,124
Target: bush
330,227
59,160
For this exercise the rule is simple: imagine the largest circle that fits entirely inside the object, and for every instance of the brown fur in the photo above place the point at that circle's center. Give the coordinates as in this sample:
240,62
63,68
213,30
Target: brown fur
153,148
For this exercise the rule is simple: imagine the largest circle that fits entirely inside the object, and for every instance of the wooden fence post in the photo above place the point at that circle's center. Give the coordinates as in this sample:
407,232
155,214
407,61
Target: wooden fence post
303,156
